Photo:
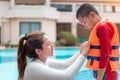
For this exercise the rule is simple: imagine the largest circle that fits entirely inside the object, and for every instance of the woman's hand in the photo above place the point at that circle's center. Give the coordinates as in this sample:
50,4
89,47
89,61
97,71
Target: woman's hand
85,48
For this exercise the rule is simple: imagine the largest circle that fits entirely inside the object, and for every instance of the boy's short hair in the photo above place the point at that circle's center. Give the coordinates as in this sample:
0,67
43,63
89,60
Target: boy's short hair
85,9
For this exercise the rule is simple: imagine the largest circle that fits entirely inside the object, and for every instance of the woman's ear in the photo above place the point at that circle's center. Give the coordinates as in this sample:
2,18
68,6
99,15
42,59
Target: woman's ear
38,51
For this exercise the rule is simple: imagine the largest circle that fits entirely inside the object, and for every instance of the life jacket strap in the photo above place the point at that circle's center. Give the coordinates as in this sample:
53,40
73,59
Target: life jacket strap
98,58
98,47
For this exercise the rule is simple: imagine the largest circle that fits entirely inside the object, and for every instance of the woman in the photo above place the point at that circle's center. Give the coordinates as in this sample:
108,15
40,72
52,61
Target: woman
38,47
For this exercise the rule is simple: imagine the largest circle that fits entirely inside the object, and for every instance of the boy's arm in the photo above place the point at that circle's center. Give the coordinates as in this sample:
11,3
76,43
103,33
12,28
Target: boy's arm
104,34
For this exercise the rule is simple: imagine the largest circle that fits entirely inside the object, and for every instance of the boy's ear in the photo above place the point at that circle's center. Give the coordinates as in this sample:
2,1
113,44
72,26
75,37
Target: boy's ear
92,14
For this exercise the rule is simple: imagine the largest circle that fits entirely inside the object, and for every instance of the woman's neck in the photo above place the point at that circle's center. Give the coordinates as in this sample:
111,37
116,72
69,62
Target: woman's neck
43,59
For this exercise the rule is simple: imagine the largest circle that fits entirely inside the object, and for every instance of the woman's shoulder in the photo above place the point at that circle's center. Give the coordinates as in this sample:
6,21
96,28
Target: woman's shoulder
35,64
33,69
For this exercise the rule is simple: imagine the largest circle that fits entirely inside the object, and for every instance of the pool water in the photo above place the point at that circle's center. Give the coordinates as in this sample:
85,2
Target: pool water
8,65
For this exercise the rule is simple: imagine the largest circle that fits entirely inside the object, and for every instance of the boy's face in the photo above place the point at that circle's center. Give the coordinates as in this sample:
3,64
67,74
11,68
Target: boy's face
87,21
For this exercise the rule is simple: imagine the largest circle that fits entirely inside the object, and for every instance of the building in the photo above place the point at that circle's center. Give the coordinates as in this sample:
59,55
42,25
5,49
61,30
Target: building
18,17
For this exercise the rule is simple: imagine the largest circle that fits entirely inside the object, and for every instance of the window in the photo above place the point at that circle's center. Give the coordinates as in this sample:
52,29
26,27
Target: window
77,7
27,27
63,27
62,7
97,7
109,8
117,8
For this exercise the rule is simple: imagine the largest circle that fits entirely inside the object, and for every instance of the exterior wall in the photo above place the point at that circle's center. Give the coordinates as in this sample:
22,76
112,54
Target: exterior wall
49,27
11,14
22,11
70,16
11,28
34,2
5,32
14,25
4,5
82,1
4,0
112,16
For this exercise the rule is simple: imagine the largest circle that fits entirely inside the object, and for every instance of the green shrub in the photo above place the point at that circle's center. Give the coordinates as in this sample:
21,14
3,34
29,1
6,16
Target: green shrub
57,43
13,44
66,39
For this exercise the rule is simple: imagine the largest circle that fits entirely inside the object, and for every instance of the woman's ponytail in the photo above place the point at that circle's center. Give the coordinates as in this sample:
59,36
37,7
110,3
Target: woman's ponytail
21,57
26,48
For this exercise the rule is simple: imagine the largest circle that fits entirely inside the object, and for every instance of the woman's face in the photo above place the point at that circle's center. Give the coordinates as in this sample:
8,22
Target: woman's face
47,47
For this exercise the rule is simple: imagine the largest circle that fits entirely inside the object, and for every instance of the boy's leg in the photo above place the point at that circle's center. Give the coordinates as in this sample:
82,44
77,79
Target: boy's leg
95,73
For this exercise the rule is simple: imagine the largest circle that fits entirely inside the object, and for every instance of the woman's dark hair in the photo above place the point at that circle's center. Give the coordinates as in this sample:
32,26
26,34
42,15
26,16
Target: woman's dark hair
85,9
26,48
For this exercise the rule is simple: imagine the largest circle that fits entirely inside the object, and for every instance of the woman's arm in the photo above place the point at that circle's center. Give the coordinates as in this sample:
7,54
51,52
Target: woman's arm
38,71
64,64
60,64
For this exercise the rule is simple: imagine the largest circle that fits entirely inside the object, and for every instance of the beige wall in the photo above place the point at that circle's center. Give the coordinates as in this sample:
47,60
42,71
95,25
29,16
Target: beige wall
49,27
14,24
5,32
11,28
34,2
48,17
4,5
96,1
10,17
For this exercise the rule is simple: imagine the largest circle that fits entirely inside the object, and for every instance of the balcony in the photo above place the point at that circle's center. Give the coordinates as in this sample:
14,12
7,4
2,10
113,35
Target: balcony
70,16
31,11
112,16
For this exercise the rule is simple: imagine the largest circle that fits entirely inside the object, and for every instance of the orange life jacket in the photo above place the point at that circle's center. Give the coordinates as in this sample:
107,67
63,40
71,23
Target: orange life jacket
93,57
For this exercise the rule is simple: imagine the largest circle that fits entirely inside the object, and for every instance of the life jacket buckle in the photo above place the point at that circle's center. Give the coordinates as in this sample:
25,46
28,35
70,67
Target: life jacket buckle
91,62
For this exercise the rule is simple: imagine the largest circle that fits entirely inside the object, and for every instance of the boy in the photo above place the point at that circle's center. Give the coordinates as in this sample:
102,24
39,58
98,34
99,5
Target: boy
104,40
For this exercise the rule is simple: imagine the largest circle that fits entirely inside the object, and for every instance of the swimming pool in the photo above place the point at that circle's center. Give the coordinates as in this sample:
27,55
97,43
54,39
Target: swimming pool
8,65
